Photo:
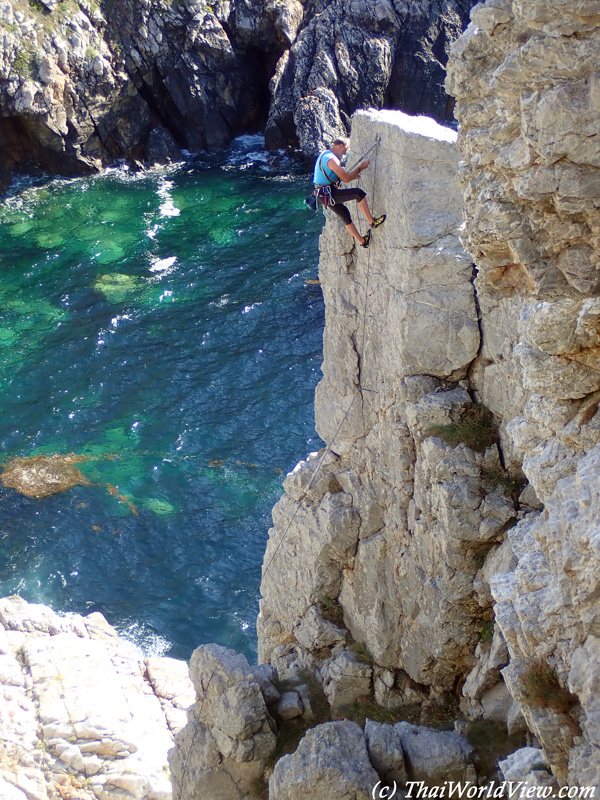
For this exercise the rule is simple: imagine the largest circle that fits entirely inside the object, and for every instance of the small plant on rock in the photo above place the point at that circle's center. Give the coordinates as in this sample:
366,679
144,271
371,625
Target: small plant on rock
25,64
476,428
487,631
331,610
480,555
541,688
360,651
502,480
364,708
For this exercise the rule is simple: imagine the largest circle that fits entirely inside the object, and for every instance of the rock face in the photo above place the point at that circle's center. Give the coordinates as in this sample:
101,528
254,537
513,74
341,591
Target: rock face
84,84
450,561
524,76
82,713
222,750
359,55
396,524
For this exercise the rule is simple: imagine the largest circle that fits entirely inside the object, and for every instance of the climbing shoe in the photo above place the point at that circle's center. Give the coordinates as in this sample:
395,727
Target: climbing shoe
377,221
367,239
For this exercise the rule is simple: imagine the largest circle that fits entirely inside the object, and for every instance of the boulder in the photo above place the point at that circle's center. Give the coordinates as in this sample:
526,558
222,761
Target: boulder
384,745
331,761
222,750
345,678
434,756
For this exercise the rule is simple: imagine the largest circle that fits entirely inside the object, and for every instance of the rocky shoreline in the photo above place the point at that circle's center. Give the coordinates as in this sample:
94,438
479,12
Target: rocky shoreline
83,714
84,84
443,548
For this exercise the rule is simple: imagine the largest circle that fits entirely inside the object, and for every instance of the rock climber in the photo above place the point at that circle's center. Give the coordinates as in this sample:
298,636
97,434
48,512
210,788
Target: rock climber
327,176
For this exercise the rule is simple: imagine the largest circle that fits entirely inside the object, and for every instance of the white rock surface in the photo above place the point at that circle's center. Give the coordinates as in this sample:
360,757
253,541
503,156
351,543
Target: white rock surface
384,744
518,765
222,750
330,762
434,756
78,710
394,523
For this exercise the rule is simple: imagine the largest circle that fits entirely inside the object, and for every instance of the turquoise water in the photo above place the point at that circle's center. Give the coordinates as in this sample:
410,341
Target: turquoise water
160,325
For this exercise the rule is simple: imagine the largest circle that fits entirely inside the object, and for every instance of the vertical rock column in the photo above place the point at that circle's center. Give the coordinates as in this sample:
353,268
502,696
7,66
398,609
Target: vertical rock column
381,547
525,76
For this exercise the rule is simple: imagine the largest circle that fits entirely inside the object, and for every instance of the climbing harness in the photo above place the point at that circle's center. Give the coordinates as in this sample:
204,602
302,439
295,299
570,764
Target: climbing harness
324,189
359,390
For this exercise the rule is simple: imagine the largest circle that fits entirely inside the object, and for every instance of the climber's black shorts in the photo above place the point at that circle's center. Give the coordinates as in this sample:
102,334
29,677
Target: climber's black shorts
343,196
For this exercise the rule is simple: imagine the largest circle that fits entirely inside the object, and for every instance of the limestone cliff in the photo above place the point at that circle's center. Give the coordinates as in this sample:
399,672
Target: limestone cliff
525,75
85,83
397,523
450,543
446,539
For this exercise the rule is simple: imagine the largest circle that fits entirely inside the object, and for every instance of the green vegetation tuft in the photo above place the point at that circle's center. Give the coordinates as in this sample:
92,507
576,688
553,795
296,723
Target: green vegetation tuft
365,708
502,480
476,428
331,610
487,631
25,64
360,651
35,5
480,555
541,688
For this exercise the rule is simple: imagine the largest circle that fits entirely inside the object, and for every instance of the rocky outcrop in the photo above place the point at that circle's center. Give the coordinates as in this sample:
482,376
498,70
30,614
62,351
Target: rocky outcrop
82,713
360,55
222,751
524,75
407,536
84,84
394,526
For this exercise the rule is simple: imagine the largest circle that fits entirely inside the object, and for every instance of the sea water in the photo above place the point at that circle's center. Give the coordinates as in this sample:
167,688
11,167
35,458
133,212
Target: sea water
166,327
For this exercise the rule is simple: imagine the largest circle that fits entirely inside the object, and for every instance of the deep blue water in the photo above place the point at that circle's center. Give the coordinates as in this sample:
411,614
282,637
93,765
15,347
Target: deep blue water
161,324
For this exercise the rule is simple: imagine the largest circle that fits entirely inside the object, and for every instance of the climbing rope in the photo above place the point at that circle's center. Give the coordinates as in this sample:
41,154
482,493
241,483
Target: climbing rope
361,353
362,158
255,593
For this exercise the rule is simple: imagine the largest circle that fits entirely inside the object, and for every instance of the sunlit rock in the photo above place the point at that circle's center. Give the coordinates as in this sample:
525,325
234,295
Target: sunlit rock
41,476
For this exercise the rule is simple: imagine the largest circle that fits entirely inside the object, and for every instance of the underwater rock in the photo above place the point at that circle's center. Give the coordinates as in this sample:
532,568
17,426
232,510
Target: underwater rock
41,476
116,287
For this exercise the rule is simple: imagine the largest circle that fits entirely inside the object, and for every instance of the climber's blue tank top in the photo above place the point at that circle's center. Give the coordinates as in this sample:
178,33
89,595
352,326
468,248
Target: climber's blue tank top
322,173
